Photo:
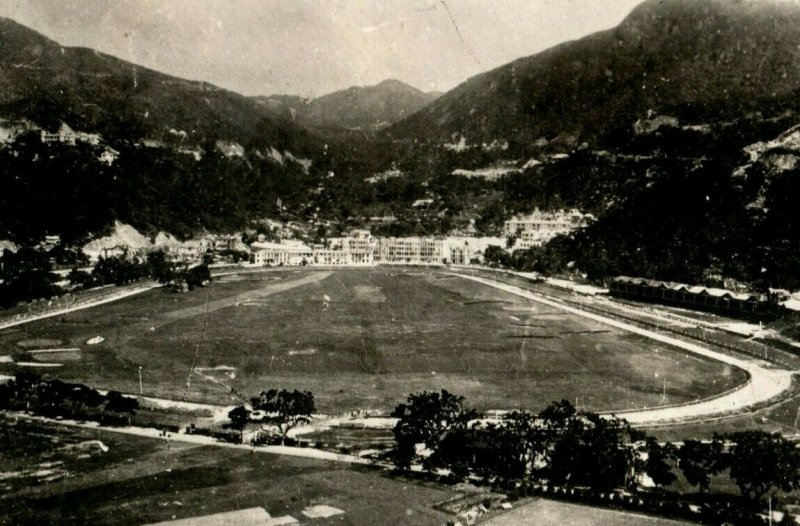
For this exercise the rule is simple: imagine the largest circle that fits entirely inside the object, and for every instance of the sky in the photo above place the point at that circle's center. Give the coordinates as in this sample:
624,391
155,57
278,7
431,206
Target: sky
314,47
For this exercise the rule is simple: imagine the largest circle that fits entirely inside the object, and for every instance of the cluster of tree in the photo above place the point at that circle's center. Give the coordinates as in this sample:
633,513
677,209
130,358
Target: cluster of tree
168,272
26,275
758,462
548,259
28,391
669,206
283,409
564,447
67,190
559,444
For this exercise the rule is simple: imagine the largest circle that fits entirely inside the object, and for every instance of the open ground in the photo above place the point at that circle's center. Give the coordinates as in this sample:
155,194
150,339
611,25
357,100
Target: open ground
57,475
385,333
543,512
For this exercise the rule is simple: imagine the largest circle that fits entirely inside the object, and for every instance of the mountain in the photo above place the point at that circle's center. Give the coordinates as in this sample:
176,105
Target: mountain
367,108
174,155
47,83
696,60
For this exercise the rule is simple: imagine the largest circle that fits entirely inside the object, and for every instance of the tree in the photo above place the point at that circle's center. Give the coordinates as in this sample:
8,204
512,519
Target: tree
119,270
700,461
515,444
197,276
762,461
557,415
592,451
161,268
82,396
239,416
80,279
426,419
119,404
495,256
286,409
521,441
657,462
50,397
26,275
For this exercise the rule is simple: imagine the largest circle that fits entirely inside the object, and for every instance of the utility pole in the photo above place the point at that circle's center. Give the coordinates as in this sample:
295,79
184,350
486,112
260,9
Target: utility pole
141,390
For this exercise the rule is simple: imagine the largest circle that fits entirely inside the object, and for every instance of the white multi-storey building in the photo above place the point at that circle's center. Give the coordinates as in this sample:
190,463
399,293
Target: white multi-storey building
359,248
277,254
540,227
289,253
462,250
67,135
412,250
357,241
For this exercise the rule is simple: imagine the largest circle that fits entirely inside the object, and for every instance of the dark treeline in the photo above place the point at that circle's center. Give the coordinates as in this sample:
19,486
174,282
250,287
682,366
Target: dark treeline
67,190
563,447
51,398
685,224
28,274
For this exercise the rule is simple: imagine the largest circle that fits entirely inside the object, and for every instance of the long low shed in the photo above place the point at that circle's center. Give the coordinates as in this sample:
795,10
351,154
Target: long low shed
693,296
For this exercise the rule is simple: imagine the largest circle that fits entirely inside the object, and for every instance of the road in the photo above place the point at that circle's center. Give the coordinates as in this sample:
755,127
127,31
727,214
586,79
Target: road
764,383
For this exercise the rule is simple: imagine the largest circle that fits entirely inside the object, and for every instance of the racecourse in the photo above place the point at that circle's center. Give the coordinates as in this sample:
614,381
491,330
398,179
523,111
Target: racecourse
386,333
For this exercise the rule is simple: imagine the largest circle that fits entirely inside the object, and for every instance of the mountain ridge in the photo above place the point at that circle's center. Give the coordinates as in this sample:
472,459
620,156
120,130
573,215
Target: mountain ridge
356,108
703,58
48,83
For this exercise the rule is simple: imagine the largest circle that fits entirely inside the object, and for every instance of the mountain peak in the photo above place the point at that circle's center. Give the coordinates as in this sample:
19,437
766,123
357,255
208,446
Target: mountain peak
364,108
16,38
396,84
697,58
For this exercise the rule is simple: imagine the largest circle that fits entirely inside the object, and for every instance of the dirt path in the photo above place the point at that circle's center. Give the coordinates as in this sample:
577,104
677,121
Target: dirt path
764,384
201,440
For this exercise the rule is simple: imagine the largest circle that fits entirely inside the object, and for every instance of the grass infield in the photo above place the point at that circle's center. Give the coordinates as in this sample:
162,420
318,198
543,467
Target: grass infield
385,333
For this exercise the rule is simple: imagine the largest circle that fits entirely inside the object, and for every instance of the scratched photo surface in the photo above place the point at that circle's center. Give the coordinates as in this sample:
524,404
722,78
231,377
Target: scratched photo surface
422,262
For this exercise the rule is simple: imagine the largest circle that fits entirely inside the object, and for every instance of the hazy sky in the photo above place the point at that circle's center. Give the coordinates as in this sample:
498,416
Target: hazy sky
313,47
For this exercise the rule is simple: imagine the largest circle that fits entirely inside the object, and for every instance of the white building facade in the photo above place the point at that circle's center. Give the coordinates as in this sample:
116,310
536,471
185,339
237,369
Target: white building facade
540,227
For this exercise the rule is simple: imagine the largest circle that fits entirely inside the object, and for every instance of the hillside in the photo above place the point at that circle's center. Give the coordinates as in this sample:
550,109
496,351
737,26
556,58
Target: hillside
185,156
367,108
48,83
699,60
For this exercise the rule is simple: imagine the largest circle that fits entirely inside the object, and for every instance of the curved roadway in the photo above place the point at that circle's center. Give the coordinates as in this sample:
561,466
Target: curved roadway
764,384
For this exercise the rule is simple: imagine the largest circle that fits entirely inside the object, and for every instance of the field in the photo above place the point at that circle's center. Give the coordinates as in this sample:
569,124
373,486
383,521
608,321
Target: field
55,475
385,333
553,513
